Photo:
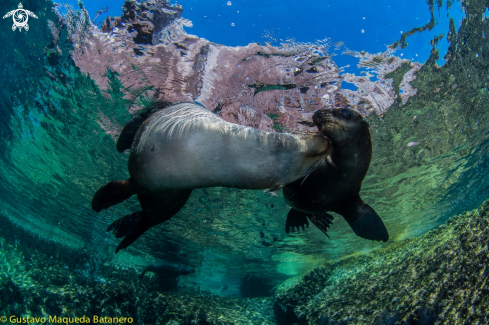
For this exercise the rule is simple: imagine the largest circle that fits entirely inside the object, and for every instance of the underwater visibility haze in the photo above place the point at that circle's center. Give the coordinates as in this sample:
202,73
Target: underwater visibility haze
83,82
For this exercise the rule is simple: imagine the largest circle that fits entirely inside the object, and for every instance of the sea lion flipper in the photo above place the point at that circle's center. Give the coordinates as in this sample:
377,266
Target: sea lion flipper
369,225
123,226
131,227
296,219
112,193
322,221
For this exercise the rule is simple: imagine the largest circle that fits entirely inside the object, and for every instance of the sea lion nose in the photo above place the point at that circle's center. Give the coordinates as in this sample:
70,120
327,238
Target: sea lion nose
319,115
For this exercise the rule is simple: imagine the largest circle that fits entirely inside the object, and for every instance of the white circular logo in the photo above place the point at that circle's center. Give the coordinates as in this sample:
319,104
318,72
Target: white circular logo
20,17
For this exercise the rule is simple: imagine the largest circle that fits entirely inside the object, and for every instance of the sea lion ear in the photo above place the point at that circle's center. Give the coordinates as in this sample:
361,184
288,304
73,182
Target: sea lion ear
369,225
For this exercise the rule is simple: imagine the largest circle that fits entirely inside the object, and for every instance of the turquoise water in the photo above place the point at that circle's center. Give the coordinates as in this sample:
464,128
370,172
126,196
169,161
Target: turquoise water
69,87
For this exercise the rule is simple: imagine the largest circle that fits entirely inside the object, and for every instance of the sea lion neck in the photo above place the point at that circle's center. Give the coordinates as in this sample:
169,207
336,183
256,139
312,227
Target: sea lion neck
349,135
357,145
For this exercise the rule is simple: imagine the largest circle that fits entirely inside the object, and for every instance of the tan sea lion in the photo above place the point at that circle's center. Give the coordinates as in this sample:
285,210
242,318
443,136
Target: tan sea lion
185,146
335,185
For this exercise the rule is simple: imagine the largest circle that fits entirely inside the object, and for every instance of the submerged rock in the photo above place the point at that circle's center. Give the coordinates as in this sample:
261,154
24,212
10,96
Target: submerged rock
147,18
438,278
39,278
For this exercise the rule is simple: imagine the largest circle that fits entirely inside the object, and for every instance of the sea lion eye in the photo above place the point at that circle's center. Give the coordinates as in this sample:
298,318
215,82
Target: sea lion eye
345,112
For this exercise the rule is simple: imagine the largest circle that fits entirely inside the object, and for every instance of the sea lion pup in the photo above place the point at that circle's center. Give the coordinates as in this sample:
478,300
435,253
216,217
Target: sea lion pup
185,146
335,186
167,269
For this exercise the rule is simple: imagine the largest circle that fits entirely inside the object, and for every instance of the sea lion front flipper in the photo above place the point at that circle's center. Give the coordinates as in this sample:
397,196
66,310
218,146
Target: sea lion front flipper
369,225
131,227
112,193
295,219
322,221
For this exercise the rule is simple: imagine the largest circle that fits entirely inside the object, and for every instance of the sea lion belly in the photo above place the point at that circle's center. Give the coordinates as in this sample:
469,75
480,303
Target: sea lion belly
186,147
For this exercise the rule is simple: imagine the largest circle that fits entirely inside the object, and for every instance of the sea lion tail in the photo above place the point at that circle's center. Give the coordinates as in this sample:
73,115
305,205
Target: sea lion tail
369,225
112,193
131,227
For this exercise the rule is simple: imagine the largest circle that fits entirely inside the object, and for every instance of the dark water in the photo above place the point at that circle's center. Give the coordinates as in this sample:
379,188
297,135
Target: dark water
58,131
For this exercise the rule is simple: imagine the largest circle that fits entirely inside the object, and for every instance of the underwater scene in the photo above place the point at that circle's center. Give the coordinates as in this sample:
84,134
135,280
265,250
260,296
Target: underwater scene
244,162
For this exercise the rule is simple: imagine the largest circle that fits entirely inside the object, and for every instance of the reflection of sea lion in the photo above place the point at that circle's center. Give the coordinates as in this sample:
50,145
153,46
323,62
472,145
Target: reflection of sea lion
185,146
167,269
335,185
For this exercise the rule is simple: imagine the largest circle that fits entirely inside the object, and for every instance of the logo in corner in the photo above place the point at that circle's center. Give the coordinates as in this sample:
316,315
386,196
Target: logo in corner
20,16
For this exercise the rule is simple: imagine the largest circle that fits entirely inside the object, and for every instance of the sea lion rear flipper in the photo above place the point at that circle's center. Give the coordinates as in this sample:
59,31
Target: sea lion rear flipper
123,226
295,219
322,221
369,225
112,193
131,227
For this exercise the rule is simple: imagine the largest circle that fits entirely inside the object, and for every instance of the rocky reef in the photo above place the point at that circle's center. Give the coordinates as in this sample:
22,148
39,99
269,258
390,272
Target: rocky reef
41,278
262,86
147,18
438,278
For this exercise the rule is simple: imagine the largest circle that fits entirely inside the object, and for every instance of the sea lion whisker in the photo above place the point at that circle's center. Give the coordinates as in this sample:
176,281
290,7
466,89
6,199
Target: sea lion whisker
331,162
306,177
313,168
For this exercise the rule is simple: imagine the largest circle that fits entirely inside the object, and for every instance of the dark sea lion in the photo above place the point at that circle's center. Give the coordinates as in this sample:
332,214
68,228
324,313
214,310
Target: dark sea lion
335,185
167,269
185,146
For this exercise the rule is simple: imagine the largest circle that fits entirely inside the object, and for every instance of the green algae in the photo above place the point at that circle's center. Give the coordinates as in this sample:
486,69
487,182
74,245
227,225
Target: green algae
263,87
436,143
440,277
397,76
428,26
